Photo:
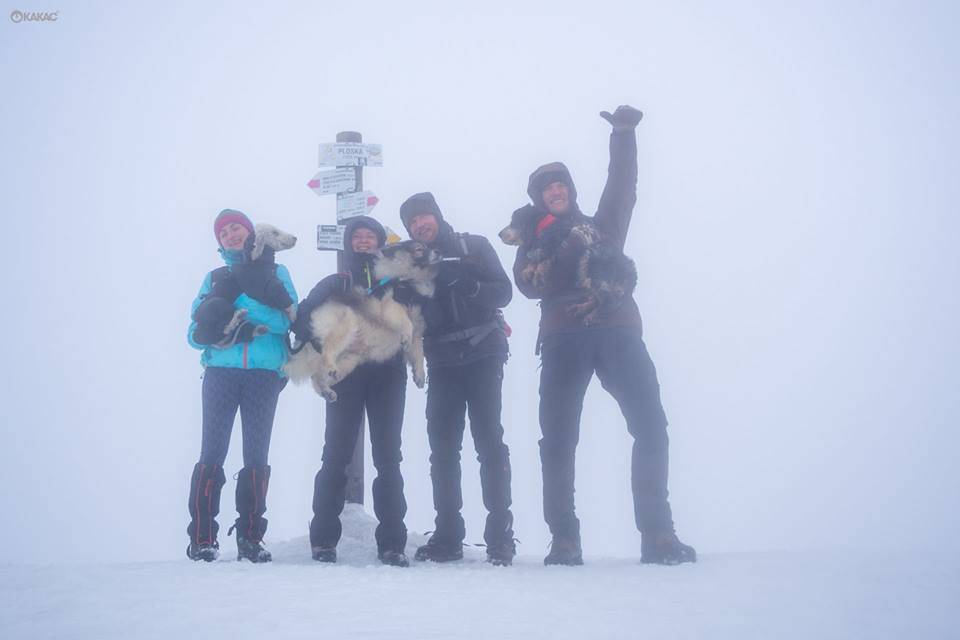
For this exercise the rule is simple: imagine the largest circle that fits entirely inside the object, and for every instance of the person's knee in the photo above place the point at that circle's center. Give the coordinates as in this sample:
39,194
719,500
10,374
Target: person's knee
493,452
444,456
651,436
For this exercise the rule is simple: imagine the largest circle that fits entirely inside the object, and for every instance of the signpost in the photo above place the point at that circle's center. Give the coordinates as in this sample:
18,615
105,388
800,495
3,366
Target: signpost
356,203
335,181
349,156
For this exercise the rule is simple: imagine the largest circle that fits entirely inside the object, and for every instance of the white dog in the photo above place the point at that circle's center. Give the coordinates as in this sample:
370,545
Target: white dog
356,327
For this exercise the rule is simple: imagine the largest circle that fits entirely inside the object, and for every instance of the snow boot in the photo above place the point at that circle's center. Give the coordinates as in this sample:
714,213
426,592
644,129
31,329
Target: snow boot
664,547
203,551
437,550
501,554
324,554
252,483
564,551
204,505
394,558
251,550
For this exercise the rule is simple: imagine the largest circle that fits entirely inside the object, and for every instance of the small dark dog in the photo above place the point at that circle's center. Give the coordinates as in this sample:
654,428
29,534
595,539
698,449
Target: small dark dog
218,322
604,273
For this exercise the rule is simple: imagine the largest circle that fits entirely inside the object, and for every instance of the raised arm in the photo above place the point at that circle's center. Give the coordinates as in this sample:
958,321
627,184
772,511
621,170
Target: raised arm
620,192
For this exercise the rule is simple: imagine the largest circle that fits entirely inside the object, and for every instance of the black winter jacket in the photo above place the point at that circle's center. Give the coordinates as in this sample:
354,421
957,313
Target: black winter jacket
612,219
464,328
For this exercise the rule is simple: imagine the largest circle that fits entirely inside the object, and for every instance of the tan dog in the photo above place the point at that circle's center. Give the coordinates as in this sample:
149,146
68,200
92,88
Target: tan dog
356,327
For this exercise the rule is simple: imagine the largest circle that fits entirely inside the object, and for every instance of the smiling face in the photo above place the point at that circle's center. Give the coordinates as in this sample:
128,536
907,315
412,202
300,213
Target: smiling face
232,236
424,227
364,240
556,198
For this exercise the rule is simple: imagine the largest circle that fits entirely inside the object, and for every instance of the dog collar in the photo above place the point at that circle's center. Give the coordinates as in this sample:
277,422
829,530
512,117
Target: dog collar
380,285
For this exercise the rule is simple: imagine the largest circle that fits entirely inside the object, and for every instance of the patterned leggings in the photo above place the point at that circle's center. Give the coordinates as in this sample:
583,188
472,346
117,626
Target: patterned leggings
255,393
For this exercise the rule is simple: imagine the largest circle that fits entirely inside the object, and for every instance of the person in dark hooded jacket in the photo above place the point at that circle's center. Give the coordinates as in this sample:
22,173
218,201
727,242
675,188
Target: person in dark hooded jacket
465,344
612,346
378,387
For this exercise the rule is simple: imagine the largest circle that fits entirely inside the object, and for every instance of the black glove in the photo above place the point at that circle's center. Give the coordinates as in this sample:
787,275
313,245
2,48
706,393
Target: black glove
404,293
466,286
625,117
457,281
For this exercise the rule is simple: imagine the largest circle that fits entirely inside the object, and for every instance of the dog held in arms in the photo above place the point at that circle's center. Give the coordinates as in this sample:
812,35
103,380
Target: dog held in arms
360,325
604,274
218,322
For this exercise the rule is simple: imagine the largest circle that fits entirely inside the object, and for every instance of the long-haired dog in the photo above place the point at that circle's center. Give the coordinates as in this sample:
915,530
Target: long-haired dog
604,274
360,326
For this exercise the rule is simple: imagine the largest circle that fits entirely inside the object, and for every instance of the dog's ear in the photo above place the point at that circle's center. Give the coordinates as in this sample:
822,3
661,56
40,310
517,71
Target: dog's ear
259,242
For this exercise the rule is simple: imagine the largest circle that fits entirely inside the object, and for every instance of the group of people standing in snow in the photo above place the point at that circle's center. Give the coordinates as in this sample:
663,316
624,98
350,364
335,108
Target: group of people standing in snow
465,345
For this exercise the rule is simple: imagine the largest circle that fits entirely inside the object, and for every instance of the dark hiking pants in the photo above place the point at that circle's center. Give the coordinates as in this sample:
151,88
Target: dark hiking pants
621,362
225,390
472,389
381,389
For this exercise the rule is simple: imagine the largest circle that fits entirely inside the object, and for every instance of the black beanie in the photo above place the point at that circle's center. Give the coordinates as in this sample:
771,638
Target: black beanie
418,204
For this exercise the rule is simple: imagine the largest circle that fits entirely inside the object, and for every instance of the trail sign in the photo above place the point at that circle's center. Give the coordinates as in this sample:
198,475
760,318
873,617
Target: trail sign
350,154
330,237
358,203
335,181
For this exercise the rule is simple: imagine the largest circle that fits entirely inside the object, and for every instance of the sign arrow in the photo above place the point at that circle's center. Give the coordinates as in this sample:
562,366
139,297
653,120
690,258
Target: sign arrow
358,203
335,181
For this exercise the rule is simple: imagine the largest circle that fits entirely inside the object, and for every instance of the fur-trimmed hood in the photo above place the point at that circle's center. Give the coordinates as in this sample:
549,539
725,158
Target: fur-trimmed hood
548,174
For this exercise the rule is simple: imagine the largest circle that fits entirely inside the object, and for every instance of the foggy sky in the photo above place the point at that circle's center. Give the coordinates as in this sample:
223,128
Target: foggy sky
795,235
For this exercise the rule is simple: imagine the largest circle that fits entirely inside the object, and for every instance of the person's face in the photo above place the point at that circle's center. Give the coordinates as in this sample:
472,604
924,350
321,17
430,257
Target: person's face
363,240
233,235
556,197
424,228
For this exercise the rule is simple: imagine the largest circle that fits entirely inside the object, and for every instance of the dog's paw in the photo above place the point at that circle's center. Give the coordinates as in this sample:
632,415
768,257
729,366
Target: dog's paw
419,379
329,395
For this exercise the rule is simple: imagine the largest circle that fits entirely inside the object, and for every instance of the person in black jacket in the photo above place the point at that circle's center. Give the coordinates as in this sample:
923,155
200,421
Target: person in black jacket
612,346
466,347
380,388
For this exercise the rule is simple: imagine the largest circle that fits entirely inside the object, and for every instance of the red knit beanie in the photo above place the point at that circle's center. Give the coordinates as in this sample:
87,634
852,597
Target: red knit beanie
228,216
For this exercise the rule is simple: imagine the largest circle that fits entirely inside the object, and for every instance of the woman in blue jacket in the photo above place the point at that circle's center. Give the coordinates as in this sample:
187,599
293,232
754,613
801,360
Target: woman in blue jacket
243,369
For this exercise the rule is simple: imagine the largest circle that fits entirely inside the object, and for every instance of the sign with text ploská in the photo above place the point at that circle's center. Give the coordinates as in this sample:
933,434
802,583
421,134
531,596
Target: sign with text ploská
350,154
358,203
335,181
330,237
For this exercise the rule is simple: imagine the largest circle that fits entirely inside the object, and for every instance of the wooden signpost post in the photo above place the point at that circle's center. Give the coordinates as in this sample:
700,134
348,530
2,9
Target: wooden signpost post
348,155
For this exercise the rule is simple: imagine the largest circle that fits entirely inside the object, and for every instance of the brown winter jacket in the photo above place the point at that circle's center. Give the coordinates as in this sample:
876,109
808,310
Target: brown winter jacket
612,219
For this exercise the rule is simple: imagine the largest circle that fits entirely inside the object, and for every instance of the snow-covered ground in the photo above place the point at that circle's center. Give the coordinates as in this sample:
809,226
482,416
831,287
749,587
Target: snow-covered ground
764,595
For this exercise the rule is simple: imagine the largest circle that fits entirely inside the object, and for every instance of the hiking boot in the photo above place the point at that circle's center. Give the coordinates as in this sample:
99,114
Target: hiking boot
394,558
324,554
565,551
251,550
204,551
664,547
438,551
501,554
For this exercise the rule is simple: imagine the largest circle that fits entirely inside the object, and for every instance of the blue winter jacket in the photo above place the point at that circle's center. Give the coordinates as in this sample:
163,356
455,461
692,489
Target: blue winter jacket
268,351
